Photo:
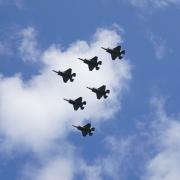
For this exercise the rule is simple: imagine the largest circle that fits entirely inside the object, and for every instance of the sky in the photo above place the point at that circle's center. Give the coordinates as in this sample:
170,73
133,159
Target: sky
137,126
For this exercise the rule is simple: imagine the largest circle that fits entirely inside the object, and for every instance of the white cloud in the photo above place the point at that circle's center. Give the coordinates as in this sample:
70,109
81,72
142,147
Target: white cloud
59,169
28,48
116,163
69,163
93,171
165,164
33,113
159,46
112,165
154,3
59,164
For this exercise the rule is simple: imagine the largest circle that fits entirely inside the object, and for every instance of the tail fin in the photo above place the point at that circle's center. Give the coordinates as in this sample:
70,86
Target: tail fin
90,134
105,96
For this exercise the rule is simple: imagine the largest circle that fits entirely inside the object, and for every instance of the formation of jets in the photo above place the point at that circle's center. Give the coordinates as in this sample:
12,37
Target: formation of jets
100,92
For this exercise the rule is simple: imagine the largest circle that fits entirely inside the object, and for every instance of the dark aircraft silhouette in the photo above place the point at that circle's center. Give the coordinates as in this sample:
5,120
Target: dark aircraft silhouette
115,52
92,63
66,75
101,91
77,103
87,129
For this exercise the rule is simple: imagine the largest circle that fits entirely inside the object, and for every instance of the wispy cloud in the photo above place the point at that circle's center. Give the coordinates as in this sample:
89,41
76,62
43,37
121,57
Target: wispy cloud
61,164
154,3
165,163
112,165
28,47
159,46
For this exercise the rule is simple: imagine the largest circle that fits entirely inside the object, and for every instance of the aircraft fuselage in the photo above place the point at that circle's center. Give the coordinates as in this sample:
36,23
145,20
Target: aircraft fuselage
61,73
89,62
114,52
98,91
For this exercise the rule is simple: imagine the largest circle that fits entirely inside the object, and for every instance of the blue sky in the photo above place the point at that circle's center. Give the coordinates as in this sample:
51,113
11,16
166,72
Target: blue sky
137,134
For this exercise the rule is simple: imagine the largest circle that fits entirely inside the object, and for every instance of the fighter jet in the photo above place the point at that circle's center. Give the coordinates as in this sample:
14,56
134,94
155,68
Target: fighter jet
116,52
66,75
77,103
101,91
92,63
87,129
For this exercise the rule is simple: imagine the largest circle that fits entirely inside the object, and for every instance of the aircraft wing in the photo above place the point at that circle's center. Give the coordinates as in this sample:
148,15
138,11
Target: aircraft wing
84,133
79,100
87,126
99,96
68,71
117,49
114,56
91,67
102,88
65,78
76,107
94,59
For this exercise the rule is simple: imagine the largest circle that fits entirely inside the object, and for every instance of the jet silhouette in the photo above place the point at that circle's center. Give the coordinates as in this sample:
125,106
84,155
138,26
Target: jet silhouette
77,103
92,63
87,129
66,75
101,91
115,52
